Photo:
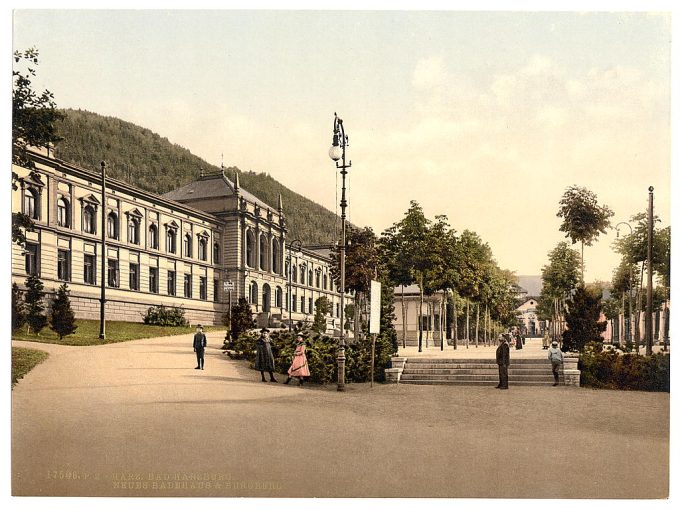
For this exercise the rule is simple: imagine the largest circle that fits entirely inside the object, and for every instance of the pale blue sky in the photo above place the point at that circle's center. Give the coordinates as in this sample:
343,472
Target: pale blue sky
483,116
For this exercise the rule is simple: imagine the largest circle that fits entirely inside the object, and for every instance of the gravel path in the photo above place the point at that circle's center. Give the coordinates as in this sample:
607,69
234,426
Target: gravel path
136,419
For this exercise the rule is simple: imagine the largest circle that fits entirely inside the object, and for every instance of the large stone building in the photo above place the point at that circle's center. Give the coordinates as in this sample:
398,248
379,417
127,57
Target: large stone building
179,249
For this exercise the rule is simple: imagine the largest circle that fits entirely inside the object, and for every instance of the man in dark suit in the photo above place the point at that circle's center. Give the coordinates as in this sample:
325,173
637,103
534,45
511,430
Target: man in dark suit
503,360
199,346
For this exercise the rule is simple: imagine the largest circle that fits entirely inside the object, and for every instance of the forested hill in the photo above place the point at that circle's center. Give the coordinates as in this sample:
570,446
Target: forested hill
148,161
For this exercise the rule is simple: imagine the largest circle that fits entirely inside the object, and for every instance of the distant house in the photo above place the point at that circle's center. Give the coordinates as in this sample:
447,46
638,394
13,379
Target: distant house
527,314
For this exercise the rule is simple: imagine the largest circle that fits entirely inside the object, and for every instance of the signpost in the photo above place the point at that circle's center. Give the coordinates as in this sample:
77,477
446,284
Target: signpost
228,287
374,322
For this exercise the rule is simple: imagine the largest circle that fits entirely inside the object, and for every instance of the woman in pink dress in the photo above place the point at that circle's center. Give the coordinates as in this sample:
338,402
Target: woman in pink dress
299,367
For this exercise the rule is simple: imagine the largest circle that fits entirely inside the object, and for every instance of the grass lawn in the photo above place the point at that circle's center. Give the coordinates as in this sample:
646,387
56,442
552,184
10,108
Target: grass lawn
23,360
116,331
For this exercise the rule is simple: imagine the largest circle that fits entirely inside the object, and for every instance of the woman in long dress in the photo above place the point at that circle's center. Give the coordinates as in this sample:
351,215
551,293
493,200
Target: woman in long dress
264,358
299,368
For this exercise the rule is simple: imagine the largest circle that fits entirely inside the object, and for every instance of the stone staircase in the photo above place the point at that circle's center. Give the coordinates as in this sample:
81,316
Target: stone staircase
480,372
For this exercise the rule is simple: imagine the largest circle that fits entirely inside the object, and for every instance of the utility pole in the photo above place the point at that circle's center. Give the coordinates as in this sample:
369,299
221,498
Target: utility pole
102,299
650,272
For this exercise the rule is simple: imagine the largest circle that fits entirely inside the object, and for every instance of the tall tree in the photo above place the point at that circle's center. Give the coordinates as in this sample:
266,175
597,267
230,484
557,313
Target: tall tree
583,319
397,265
34,115
321,308
18,308
35,308
583,218
62,318
241,318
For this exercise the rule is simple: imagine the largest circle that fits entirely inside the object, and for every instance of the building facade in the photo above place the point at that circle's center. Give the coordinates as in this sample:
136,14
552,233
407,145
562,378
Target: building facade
179,249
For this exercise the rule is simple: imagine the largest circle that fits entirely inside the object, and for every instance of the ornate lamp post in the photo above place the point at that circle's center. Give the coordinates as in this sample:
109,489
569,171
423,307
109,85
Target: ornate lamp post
295,246
630,283
337,153
650,273
102,299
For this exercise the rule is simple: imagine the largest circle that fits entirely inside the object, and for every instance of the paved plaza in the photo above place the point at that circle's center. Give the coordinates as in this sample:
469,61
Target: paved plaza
136,419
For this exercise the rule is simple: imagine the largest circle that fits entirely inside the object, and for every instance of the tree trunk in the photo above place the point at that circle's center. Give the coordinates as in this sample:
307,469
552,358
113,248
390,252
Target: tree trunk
403,318
467,323
477,326
487,320
429,326
420,312
455,324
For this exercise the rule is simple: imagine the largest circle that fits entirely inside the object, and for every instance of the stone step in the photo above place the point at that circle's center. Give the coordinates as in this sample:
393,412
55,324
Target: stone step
474,370
483,366
523,361
477,383
474,377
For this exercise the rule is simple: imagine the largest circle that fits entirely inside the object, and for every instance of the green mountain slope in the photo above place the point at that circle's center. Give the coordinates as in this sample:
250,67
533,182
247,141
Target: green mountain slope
146,160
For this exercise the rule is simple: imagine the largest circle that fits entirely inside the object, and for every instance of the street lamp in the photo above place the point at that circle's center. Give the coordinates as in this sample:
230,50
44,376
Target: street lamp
650,272
337,153
630,283
102,299
294,246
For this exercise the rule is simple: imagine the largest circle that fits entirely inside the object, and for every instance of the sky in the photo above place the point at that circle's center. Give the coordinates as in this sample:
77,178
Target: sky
486,117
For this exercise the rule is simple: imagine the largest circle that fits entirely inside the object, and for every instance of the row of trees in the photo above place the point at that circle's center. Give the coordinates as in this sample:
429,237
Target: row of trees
29,309
417,250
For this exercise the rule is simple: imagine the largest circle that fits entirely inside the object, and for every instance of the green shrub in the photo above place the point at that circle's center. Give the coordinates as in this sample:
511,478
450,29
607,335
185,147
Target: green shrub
165,316
611,369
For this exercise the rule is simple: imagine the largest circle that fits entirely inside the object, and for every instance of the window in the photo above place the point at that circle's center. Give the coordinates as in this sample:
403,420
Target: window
187,285
31,201
216,289
311,305
276,263
325,282
216,253
133,230
302,274
63,217
31,259
172,283
153,280
89,269
278,299
250,249
318,279
171,241
263,253
302,304
253,293
112,225
295,274
337,309
202,248
187,245
112,273
134,276
153,237
64,265
89,220
310,280
295,302
203,287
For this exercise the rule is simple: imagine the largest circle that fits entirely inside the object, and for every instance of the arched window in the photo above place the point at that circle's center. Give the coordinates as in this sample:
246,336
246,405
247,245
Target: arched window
171,240
202,248
31,201
263,253
318,278
302,274
325,282
112,225
250,249
153,237
216,253
294,276
253,293
279,298
310,279
63,216
187,245
133,230
89,220
276,263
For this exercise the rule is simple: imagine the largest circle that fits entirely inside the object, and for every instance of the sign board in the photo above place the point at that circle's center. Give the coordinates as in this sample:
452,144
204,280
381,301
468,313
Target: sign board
228,286
374,324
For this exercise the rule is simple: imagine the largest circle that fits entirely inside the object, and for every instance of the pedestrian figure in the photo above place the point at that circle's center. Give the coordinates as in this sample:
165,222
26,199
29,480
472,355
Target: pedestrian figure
503,360
556,359
299,367
546,339
199,347
518,340
264,359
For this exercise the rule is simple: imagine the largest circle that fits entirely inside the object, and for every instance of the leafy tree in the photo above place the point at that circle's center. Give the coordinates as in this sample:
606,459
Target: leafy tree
322,307
33,125
560,276
35,308
62,318
241,318
18,308
583,319
583,218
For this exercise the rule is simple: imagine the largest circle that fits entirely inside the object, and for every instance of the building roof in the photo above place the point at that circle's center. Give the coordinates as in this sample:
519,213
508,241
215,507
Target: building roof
214,185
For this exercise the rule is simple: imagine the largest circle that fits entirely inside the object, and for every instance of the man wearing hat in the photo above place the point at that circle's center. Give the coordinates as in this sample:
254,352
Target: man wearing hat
503,360
199,346
557,359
